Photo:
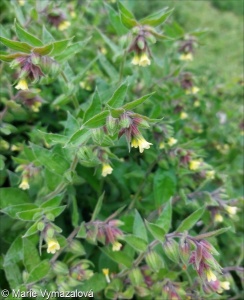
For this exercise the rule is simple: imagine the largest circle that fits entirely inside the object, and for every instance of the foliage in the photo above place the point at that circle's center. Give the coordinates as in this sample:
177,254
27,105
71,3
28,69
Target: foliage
81,209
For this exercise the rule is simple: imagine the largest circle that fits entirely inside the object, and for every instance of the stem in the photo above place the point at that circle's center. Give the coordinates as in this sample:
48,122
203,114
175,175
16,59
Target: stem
73,97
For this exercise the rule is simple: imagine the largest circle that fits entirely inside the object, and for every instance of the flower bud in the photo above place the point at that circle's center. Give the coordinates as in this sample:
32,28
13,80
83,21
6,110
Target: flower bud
35,58
143,291
151,38
141,42
136,277
55,68
76,247
184,251
124,121
171,250
60,268
50,232
40,226
111,125
50,217
135,30
154,261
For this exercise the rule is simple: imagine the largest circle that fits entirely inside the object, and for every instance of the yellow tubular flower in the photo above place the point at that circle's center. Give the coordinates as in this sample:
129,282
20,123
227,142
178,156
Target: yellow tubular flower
106,274
116,246
225,285
63,25
210,174
186,57
172,141
210,275
183,115
193,90
161,145
194,165
22,85
144,60
52,245
231,210
24,185
135,61
106,170
218,218
141,143
36,106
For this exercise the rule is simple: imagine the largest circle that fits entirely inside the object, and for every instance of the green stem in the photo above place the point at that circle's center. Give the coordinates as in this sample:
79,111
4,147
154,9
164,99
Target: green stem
73,97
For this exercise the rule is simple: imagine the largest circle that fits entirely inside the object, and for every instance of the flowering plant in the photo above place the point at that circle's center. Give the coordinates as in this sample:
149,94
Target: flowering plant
81,209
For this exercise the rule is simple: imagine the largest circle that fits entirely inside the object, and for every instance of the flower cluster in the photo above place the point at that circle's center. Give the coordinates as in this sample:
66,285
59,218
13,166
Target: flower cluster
139,45
186,48
29,99
28,171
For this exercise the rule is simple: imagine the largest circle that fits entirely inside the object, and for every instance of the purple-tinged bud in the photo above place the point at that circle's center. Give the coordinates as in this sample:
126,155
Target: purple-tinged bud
136,30
198,256
46,63
171,250
184,251
60,268
154,261
125,121
141,42
115,223
151,38
92,234
25,71
101,236
136,277
209,247
111,125
17,62
35,58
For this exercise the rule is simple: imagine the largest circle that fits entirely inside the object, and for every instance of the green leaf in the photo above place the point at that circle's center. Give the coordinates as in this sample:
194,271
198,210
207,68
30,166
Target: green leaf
157,232
96,283
109,68
18,46
128,22
12,210
82,231
32,230
39,272
136,243
94,108
14,253
118,256
125,10
25,36
135,103
12,196
28,215
156,18
79,137
54,201
164,219
13,276
60,46
72,50
114,19
46,35
71,125
31,255
212,233
9,57
56,211
191,220
139,228
164,186
118,96
98,120
53,138
44,50
98,207
82,72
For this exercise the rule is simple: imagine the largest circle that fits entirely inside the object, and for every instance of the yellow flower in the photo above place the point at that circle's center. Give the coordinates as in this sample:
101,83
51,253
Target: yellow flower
186,57
36,106
183,115
106,170
63,25
21,2
141,143
106,274
218,218
210,275
172,141
193,90
194,165
196,103
116,246
52,245
22,85
135,60
144,60
24,185
231,210
73,14
210,174
225,285
161,145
